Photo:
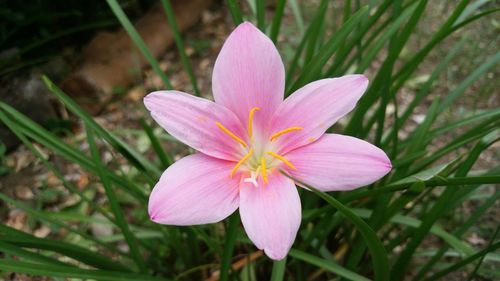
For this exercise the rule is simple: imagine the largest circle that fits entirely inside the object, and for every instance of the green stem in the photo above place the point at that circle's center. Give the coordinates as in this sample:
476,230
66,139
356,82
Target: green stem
231,232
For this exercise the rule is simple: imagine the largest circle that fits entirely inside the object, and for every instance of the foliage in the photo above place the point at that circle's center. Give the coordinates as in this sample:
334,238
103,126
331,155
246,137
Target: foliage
377,232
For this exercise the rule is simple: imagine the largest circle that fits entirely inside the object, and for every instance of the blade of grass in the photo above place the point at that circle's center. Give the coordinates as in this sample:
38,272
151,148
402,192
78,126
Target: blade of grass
235,11
445,30
133,156
327,265
313,68
25,240
386,35
476,74
437,230
276,24
481,259
136,38
464,262
115,206
231,234
165,159
379,256
296,10
42,217
355,125
18,122
70,272
260,10
424,90
317,24
463,170
8,249
362,29
70,187
435,182
458,233
443,204
167,6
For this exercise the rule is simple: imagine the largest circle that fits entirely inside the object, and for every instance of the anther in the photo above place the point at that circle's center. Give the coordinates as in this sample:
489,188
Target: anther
250,120
229,133
287,130
282,159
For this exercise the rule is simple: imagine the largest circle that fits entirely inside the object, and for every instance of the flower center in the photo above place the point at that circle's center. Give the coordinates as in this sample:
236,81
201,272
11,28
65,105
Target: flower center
259,157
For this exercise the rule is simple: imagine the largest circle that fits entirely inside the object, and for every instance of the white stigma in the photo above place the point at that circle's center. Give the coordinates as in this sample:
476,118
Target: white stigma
253,177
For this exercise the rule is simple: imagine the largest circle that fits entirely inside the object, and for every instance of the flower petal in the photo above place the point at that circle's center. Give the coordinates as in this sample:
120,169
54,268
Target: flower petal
271,214
316,107
192,120
337,162
249,73
194,190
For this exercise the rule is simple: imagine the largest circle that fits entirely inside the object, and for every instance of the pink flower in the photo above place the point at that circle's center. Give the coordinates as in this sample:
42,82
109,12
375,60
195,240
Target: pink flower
248,135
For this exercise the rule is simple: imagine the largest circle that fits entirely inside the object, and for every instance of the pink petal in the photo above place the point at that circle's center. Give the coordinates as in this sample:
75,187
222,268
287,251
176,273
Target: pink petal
249,73
192,120
337,162
194,190
316,107
271,214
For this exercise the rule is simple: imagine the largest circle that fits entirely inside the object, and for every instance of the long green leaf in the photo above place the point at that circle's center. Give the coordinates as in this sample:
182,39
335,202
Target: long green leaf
115,206
136,38
25,240
235,11
167,6
232,230
327,265
278,16
70,272
312,69
133,156
379,255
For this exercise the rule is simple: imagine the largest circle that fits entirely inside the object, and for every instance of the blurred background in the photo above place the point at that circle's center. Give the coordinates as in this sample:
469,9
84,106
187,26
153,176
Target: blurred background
83,48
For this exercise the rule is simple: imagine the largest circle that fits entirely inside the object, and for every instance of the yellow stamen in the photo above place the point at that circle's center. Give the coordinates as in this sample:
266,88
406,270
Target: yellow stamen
242,160
282,159
229,133
287,130
250,120
264,172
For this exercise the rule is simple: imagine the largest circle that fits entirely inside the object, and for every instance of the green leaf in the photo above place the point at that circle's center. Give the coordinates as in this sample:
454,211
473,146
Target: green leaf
261,13
328,265
379,256
25,240
165,158
167,6
464,262
278,16
27,255
21,125
297,14
70,272
231,234
115,206
235,11
460,89
133,156
136,38
312,69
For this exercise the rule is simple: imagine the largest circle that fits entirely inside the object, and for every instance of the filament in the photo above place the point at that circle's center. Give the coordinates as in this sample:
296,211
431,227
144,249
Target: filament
287,130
